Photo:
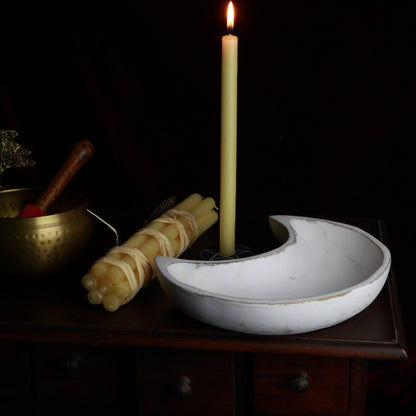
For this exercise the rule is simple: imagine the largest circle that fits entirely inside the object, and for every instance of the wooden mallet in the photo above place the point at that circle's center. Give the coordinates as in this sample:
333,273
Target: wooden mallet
80,154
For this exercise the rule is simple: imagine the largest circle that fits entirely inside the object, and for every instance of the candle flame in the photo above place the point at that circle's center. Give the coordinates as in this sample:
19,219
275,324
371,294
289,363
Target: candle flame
230,17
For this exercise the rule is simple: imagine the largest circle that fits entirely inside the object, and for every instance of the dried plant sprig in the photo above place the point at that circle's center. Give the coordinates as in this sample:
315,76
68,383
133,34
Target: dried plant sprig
12,154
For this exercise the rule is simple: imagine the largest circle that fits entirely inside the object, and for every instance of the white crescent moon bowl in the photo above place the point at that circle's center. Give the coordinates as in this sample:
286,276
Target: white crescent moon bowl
324,273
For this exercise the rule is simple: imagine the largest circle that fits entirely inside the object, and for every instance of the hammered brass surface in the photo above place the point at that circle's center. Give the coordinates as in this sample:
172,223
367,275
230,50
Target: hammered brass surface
34,247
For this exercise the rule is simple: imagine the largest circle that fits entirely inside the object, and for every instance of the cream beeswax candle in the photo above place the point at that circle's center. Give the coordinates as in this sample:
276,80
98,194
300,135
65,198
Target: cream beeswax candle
228,138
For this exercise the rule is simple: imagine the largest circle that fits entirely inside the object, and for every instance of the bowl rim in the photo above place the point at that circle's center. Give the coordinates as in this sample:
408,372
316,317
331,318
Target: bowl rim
162,263
48,218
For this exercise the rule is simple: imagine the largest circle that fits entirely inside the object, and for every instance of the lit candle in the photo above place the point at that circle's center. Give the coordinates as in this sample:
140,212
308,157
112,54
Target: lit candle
228,137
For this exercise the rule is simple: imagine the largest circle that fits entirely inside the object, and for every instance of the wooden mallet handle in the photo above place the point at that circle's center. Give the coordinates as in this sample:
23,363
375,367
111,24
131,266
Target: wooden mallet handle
80,154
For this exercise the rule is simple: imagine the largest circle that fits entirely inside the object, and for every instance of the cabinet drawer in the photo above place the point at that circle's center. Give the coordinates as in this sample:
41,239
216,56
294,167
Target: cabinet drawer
81,379
295,385
184,383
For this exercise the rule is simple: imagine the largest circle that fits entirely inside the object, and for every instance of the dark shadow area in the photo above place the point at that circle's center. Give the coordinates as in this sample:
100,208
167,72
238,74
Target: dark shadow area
325,123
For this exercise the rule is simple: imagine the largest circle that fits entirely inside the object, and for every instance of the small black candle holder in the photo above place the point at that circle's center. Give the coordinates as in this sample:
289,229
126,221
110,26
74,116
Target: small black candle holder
213,253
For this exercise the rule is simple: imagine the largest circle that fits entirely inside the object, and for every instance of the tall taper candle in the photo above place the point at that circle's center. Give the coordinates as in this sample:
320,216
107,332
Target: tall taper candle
228,138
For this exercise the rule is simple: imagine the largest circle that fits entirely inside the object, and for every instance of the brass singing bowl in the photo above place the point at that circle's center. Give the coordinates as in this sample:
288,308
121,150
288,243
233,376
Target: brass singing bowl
39,246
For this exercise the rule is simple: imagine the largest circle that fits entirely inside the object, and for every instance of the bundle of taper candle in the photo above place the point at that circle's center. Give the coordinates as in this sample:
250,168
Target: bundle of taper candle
115,279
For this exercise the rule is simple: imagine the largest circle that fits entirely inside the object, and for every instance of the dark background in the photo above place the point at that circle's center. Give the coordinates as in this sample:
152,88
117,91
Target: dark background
326,106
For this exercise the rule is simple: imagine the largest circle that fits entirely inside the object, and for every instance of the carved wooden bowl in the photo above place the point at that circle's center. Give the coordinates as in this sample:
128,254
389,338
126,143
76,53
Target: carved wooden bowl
324,273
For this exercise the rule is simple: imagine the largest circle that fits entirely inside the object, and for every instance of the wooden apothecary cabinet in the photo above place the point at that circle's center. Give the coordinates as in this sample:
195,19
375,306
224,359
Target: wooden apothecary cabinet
61,355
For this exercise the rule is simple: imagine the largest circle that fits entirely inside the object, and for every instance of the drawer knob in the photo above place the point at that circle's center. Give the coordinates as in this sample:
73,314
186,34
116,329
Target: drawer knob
183,387
300,382
72,363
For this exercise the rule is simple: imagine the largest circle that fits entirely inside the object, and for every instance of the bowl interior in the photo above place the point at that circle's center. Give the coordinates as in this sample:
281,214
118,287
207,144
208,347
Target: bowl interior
12,201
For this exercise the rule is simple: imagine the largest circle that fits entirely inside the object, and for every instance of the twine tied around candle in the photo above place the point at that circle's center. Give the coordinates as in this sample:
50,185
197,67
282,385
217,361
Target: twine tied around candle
143,267
174,212
144,270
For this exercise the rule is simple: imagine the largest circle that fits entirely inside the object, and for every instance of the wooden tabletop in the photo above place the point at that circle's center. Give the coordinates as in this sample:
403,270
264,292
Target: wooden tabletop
55,309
